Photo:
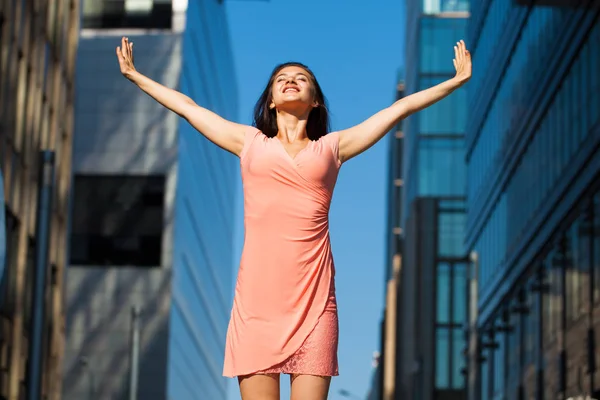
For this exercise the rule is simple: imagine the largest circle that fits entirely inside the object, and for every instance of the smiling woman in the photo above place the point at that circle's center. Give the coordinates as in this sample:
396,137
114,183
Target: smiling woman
284,316
292,82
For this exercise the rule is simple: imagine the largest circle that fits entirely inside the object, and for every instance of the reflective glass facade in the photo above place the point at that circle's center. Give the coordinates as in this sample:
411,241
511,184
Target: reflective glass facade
572,107
432,181
207,183
450,296
434,147
166,193
533,166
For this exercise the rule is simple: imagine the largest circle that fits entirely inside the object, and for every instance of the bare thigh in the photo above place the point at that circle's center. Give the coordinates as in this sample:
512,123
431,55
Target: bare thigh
309,387
259,387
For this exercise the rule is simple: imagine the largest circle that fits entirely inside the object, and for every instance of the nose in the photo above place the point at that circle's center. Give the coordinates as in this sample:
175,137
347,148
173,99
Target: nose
291,79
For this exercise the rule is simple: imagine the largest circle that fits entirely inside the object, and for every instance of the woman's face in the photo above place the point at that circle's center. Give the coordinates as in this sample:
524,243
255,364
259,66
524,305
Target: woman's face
292,87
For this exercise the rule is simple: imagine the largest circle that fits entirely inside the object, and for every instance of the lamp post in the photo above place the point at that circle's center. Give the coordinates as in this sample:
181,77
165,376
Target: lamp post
38,318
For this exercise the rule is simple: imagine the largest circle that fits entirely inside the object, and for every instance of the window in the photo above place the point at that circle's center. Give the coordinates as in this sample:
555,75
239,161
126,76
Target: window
443,293
438,37
442,360
499,364
451,304
111,14
117,220
530,324
442,170
576,264
513,342
446,117
437,6
451,229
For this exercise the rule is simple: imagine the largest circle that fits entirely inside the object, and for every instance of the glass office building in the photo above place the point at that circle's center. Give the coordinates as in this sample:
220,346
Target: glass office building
38,44
153,209
533,151
422,336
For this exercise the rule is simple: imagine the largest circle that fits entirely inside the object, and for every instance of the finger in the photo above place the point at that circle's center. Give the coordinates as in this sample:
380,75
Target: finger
119,55
455,65
124,48
461,51
456,53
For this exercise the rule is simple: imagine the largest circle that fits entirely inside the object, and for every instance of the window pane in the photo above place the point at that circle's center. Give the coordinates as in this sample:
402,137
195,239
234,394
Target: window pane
442,170
460,294
442,353
117,220
437,6
149,14
447,116
451,234
458,361
499,360
443,293
439,35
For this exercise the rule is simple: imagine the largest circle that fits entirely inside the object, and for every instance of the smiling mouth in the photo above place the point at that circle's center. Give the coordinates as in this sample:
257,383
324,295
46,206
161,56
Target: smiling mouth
290,89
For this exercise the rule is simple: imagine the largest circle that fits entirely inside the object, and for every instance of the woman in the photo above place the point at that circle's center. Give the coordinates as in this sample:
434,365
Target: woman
284,317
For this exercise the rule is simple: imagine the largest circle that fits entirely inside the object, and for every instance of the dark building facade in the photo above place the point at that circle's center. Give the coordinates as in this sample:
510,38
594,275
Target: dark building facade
38,43
432,276
422,330
533,222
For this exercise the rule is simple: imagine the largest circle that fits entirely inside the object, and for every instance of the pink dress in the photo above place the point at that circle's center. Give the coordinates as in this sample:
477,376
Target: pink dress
284,316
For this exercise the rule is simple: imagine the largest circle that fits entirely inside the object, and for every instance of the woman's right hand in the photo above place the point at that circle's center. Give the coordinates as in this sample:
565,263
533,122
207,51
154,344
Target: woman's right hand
125,57
226,134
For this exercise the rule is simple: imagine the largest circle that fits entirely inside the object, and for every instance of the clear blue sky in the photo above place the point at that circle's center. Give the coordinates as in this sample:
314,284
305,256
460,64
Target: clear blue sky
355,49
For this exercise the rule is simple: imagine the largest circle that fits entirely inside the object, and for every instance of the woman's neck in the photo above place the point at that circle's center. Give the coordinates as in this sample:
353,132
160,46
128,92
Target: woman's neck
291,127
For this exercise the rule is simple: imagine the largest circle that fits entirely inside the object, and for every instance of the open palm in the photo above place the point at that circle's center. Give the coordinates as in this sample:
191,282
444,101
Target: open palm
125,56
462,61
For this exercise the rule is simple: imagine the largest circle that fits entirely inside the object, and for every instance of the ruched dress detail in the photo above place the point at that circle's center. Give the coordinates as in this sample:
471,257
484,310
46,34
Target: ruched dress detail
284,315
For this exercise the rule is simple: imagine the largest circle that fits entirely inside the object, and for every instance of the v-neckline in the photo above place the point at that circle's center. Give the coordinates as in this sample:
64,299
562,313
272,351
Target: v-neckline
289,156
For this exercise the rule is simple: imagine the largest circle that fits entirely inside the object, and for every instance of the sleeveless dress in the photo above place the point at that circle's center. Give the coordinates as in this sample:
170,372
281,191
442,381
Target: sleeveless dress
284,315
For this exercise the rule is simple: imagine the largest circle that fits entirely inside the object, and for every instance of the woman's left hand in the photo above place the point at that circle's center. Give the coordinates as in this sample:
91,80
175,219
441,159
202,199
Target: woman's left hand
462,62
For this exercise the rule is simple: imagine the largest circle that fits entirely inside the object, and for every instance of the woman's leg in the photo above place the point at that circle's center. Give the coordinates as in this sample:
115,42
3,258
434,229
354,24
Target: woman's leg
259,387
309,387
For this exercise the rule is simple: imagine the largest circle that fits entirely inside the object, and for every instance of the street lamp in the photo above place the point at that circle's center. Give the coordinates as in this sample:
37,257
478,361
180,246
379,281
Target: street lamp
350,395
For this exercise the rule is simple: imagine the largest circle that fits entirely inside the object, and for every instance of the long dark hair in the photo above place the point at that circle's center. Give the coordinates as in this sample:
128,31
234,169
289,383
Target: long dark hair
265,118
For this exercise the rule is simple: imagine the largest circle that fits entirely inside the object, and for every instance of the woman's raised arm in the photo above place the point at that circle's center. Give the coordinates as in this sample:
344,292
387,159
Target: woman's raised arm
225,134
359,138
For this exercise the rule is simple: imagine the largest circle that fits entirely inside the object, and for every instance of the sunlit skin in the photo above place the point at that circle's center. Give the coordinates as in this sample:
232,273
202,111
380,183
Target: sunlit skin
292,99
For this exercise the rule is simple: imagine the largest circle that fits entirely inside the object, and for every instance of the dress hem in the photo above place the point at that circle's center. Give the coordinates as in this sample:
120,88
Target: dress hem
259,371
